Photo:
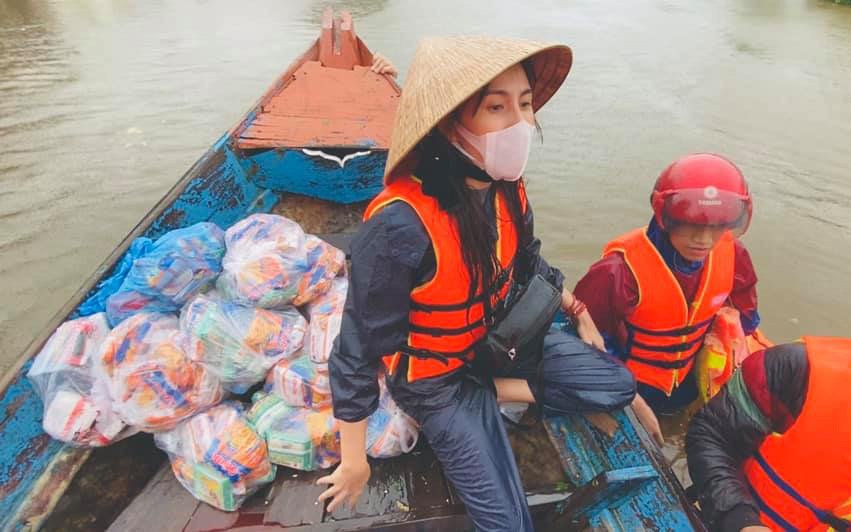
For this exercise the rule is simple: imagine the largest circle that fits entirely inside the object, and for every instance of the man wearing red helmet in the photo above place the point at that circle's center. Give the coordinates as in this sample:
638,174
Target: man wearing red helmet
657,289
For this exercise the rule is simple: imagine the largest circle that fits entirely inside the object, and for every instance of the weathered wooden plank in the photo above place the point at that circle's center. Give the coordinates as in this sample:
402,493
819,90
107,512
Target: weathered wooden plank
294,502
315,132
427,486
163,501
326,107
97,495
586,452
386,494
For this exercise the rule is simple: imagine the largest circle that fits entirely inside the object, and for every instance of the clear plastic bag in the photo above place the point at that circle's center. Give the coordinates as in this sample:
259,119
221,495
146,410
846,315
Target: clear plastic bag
152,383
237,343
297,437
326,264
389,431
300,382
271,263
218,456
77,409
325,314
177,267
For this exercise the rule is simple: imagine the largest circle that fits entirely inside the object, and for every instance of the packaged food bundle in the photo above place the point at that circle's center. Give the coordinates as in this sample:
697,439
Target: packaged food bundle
389,431
152,383
297,437
237,343
175,268
325,314
271,263
299,382
724,349
218,456
326,264
77,408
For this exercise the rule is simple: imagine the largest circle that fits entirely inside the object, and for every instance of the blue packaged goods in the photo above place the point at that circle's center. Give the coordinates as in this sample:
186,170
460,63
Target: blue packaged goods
177,267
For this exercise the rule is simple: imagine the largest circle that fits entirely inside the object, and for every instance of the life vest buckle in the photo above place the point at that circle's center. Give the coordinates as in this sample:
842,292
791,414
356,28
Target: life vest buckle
512,353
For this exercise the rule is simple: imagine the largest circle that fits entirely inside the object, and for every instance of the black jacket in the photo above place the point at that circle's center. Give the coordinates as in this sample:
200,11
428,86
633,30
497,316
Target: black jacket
765,396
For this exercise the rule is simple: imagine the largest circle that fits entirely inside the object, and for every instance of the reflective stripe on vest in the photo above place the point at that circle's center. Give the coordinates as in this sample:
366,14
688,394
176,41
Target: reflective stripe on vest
444,323
664,332
801,478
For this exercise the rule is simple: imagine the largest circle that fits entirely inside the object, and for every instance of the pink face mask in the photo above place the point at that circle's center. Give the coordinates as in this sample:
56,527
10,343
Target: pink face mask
505,152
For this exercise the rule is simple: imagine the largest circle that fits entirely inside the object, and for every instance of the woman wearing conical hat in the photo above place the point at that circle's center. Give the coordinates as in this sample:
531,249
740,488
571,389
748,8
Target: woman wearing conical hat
440,249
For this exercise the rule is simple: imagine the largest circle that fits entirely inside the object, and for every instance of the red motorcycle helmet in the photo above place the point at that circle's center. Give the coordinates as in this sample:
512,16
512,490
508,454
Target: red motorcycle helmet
702,189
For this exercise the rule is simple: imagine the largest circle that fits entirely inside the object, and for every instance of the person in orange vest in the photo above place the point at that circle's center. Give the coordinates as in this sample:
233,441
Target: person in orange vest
440,249
773,449
657,289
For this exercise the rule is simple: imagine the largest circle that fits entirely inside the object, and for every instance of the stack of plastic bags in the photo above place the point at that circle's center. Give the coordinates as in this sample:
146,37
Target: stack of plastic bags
389,431
325,316
77,408
271,263
170,272
237,343
218,456
300,382
297,437
157,373
152,383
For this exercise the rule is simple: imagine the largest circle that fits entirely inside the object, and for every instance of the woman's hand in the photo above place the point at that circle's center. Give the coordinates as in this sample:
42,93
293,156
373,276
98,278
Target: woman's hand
756,528
382,65
648,419
588,331
347,483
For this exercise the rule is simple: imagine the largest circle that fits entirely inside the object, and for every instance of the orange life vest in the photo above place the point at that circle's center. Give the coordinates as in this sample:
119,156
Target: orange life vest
443,322
801,479
664,332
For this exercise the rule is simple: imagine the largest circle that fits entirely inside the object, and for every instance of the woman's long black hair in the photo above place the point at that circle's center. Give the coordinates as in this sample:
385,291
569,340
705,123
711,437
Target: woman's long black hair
443,170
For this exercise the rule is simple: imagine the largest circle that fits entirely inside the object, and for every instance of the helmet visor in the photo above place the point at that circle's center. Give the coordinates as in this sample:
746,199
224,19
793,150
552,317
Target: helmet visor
706,206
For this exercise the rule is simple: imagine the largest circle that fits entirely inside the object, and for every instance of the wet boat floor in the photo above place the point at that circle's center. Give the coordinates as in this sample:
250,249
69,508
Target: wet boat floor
405,493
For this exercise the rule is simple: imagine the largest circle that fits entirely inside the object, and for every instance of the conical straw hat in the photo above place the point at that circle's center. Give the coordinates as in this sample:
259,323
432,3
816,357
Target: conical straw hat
447,70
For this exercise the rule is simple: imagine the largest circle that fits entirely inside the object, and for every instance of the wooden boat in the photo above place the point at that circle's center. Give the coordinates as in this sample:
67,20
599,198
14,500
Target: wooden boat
312,148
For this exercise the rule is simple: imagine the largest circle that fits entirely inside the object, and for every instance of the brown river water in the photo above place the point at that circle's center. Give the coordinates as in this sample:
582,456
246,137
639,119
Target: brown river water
104,104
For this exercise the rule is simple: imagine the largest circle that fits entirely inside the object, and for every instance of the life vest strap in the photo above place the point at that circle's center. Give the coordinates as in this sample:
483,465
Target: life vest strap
440,331
435,355
664,364
824,516
499,283
682,331
673,348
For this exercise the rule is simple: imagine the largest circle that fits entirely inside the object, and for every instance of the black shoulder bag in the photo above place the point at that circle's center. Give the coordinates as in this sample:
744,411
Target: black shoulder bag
529,310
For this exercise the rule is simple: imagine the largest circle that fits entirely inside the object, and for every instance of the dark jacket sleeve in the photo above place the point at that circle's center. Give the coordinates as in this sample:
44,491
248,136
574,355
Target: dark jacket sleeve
386,254
533,262
610,292
764,396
